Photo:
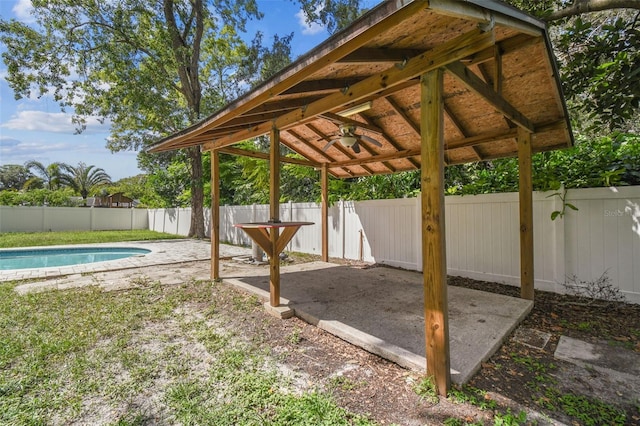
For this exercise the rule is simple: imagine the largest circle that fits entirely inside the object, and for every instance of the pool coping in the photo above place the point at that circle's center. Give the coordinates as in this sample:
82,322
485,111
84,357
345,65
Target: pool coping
162,252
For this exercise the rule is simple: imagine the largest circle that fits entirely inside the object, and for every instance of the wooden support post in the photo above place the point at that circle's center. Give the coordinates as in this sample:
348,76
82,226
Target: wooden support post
526,214
434,270
215,215
274,215
324,183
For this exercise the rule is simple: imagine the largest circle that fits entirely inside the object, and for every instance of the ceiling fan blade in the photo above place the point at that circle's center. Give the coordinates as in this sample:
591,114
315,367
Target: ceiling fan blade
370,140
356,148
328,145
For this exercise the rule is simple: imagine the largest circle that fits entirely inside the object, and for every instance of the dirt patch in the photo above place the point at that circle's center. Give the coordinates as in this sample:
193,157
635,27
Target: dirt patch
535,378
521,376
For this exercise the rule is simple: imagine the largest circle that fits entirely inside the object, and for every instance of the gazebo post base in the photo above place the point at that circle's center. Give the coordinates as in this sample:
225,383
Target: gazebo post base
280,311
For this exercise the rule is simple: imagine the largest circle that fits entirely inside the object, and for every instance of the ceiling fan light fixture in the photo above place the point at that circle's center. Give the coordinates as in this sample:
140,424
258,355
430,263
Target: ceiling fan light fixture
356,109
348,141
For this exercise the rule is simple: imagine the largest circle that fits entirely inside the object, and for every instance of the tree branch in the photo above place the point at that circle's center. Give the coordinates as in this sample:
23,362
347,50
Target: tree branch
585,6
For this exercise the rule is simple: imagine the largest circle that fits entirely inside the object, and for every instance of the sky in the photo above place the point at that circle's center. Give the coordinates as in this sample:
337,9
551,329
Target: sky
36,129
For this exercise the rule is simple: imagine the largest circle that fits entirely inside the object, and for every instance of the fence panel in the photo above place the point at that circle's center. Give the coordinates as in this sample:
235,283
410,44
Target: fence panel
44,219
603,236
21,219
482,232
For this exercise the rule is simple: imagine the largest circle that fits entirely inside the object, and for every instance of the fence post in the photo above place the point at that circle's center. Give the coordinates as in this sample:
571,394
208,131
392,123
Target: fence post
290,245
559,240
343,227
418,229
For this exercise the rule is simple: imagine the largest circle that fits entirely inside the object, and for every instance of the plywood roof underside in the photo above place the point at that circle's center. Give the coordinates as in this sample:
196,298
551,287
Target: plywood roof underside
499,75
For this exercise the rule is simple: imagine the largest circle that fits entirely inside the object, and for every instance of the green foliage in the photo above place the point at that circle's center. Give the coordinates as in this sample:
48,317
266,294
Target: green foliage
48,176
593,162
427,389
474,396
563,199
38,197
598,59
334,14
83,179
599,70
151,71
588,411
31,239
509,419
13,176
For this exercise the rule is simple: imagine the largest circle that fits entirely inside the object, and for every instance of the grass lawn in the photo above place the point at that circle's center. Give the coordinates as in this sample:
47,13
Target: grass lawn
154,354
30,239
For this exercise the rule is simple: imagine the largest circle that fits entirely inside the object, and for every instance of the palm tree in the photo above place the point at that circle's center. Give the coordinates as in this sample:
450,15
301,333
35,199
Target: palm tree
83,178
49,175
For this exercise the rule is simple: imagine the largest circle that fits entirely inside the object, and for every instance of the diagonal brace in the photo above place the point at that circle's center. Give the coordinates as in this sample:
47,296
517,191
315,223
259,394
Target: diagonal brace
475,84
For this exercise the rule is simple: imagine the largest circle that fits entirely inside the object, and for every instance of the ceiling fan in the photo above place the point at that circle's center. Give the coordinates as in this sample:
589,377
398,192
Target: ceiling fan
349,139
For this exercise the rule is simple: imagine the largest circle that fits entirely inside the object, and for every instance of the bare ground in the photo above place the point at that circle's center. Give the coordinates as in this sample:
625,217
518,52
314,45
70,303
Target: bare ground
516,379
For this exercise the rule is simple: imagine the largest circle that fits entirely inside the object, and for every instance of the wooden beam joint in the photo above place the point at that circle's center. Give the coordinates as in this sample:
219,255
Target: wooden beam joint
476,85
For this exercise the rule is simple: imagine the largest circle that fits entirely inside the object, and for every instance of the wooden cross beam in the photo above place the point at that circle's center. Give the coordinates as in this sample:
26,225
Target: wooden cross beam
441,55
475,84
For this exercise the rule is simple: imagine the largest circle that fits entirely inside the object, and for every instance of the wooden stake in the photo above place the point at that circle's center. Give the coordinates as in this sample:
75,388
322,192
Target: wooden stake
526,214
436,316
215,215
324,183
274,216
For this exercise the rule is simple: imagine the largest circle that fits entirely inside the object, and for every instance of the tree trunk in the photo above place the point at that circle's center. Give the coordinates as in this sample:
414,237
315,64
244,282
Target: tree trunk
196,230
187,55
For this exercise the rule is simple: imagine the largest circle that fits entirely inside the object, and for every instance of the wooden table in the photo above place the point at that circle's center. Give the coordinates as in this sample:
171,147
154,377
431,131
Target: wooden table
267,235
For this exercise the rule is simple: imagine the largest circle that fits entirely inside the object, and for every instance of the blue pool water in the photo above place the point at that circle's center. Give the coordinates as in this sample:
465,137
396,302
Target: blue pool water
42,258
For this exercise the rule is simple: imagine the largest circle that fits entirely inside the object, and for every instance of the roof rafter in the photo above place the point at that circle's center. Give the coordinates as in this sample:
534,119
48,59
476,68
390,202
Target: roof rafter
278,105
264,156
413,126
405,153
456,123
372,55
319,86
475,84
506,46
445,53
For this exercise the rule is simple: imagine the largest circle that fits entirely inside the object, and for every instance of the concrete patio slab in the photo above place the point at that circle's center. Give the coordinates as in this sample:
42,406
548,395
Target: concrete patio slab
381,310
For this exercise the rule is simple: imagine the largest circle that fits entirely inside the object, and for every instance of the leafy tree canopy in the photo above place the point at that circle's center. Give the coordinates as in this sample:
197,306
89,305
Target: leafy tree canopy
152,67
84,179
597,44
14,176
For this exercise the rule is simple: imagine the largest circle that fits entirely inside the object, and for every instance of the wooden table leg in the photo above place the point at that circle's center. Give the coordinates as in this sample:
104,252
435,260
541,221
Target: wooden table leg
274,269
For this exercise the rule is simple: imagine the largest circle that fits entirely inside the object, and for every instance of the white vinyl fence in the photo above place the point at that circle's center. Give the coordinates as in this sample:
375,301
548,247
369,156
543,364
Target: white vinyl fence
482,234
43,219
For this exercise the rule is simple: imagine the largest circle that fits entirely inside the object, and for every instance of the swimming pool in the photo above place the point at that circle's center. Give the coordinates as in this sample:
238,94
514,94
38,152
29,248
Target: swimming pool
50,257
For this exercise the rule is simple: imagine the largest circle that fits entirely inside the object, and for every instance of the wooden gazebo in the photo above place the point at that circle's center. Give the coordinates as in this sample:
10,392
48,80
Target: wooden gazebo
418,85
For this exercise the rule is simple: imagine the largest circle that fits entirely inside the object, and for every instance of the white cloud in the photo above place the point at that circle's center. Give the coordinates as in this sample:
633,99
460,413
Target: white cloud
308,28
13,151
56,122
71,150
22,10
7,142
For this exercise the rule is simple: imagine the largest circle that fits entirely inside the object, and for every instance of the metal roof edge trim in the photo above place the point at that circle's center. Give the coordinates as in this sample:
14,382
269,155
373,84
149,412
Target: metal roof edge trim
488,10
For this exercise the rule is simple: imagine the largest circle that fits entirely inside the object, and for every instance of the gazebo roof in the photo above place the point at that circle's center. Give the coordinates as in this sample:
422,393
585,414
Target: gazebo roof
500,75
